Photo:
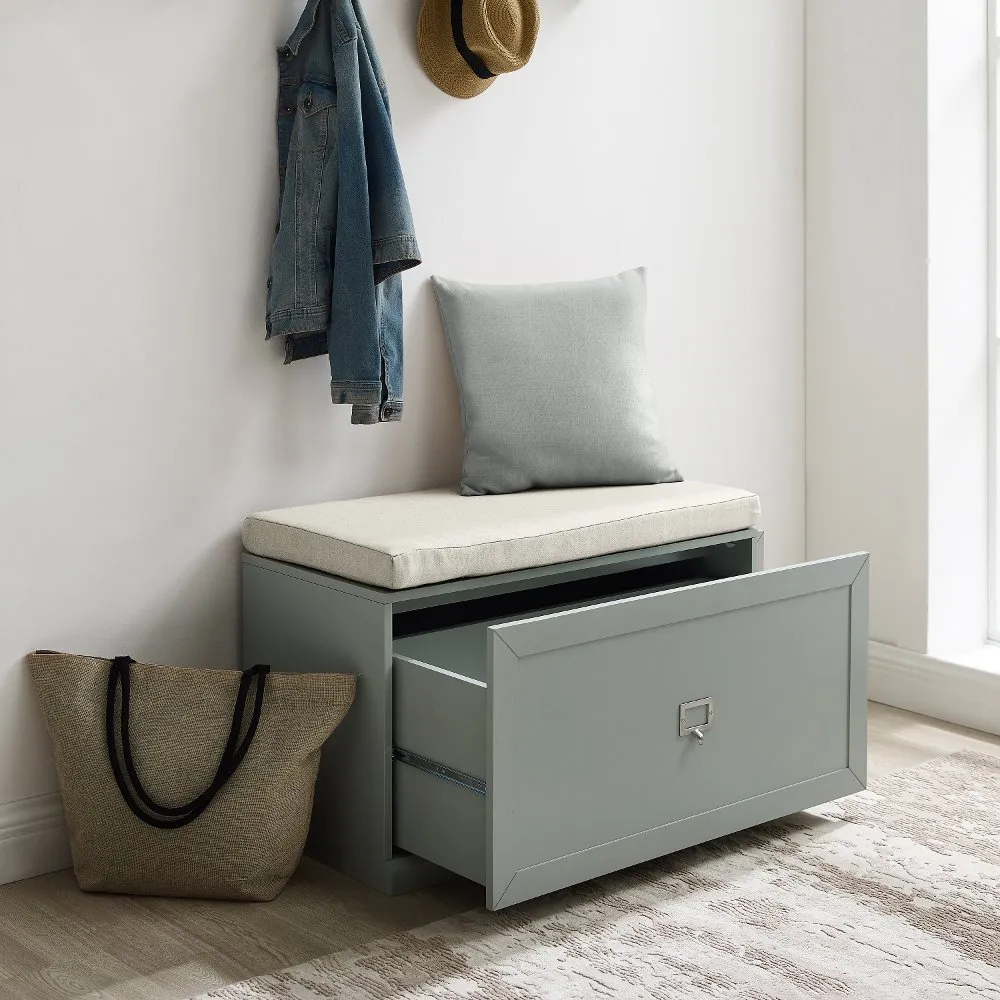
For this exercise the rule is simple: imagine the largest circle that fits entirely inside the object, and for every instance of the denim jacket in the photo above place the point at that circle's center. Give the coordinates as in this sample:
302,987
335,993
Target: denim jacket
344,229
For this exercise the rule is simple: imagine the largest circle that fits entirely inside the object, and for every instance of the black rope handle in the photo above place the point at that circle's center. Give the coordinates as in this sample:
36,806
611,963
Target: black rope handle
228,753
139,801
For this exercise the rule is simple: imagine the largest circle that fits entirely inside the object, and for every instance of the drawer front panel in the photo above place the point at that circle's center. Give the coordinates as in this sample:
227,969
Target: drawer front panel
586,743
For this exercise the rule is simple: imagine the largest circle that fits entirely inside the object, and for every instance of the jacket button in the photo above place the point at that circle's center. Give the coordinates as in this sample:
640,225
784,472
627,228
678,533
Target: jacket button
388,412
308,102
285,53
270,281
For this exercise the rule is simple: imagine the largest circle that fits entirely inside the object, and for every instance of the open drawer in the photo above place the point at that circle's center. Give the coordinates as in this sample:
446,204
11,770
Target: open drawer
535,754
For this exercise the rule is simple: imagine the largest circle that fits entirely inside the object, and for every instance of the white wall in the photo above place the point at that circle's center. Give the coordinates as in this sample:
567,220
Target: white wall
142,413
897,309
866,267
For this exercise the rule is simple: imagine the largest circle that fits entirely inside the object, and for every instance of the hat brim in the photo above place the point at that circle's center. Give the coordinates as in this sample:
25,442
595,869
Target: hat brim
442,62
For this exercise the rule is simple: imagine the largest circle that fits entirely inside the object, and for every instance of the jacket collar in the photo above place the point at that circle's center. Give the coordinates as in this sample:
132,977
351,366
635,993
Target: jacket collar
305,25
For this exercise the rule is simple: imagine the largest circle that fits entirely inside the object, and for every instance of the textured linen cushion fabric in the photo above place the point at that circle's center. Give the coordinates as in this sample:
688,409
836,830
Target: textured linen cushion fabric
412,539
554,385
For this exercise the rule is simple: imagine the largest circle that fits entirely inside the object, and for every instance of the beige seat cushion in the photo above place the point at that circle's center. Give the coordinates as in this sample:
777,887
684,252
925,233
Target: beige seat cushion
412,539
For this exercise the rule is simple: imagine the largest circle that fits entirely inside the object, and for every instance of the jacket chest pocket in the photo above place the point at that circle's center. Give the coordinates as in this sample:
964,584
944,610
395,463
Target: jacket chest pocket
315,108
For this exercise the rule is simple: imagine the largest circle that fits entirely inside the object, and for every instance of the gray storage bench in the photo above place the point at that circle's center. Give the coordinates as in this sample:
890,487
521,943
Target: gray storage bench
556,685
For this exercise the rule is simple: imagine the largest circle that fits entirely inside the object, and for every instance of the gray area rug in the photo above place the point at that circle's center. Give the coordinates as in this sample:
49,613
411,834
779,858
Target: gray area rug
892,893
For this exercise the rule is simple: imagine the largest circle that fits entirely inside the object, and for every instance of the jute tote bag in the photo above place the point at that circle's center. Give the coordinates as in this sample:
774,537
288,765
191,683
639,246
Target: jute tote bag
186,782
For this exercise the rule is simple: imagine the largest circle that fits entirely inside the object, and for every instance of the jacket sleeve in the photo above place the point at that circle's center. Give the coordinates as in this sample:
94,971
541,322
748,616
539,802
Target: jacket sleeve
394,246
371,243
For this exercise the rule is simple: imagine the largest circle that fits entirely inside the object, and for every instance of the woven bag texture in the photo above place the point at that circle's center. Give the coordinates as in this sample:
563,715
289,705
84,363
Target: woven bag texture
248,842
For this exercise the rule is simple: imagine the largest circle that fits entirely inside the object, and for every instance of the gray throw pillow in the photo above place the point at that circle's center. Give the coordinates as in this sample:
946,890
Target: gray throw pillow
554,384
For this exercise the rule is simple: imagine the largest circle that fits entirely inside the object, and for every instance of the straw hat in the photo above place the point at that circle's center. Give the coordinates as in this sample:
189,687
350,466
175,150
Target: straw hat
465,44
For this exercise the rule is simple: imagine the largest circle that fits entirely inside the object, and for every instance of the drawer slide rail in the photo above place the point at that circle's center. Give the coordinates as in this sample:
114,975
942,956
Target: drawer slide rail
473,784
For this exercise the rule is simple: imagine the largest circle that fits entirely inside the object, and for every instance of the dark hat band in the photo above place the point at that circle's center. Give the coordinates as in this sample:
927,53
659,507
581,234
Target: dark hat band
458,34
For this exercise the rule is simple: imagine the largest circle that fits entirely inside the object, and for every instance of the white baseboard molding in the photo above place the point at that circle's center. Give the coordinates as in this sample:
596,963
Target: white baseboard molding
953,692
33,838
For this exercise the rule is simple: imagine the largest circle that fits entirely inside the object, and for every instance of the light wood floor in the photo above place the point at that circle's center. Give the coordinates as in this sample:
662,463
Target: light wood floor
56,942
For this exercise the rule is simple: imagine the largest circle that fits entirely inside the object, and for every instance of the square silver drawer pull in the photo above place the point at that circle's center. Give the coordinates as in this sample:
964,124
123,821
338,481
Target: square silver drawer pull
695,719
